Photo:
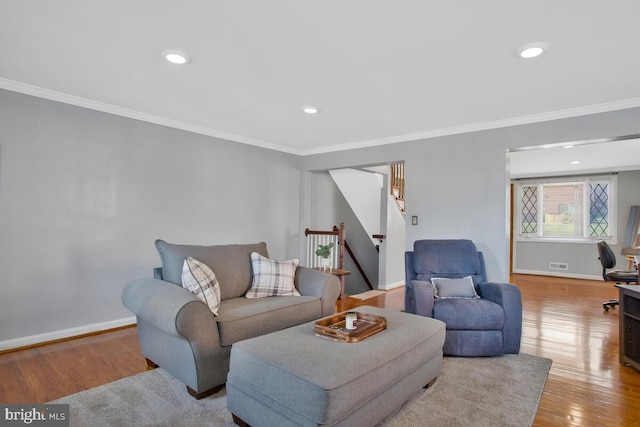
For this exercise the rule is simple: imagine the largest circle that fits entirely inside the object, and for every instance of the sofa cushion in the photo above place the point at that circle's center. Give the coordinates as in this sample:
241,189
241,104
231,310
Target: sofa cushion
446,258
231,263
242,318
454,288
202,282
469,314
272,278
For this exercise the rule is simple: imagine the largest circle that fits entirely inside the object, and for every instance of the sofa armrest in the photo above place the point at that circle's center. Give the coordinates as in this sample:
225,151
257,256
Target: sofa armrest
419,298
310,282
508,296
170,308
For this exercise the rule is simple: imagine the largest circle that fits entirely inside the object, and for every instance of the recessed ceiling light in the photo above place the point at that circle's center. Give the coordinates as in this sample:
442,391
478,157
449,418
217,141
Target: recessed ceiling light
176,56
310,109
575,162
532,50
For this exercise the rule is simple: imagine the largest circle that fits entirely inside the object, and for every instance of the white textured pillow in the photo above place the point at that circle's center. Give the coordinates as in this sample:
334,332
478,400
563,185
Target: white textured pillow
272,278
201,281
454,288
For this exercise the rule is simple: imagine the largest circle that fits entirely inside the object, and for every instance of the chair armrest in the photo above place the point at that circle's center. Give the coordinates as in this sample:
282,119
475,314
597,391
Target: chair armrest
409,271
508,296
169,308
419,298
310,282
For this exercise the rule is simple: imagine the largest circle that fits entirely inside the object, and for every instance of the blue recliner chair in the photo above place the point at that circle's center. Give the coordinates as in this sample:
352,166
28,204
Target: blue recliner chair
489,324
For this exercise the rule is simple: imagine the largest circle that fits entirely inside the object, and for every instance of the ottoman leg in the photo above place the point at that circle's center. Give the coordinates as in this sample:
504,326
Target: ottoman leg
431,383
150,364
239,421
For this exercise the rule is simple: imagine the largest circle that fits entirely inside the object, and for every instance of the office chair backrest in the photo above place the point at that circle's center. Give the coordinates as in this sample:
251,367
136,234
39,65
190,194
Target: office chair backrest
607,257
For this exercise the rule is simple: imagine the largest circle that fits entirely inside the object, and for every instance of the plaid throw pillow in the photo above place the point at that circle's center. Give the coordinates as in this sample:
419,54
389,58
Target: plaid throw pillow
201,281
272,278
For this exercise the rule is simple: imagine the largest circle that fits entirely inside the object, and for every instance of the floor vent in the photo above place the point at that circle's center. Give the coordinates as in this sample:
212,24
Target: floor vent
558,266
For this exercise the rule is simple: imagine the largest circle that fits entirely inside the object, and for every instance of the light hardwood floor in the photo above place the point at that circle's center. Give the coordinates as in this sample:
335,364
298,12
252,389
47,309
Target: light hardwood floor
563,321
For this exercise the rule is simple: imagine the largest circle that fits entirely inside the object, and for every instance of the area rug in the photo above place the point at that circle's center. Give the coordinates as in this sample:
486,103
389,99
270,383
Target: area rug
494,391
367,295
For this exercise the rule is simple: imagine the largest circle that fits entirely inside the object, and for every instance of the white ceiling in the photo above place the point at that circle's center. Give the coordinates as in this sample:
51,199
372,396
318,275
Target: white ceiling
381,71
593,157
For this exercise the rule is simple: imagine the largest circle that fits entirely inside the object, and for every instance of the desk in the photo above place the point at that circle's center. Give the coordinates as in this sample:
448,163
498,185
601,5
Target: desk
630,325
337,272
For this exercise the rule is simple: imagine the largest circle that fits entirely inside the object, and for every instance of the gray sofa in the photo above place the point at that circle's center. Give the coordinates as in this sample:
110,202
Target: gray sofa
178,332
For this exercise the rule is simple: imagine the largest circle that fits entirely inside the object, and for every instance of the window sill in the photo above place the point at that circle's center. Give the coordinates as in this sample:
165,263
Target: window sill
580,241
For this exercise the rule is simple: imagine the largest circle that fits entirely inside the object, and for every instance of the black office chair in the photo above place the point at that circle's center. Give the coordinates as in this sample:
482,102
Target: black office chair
608,260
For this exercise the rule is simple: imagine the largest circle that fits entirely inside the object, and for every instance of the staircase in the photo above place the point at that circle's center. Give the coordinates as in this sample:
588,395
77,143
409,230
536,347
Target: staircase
380,214
397,184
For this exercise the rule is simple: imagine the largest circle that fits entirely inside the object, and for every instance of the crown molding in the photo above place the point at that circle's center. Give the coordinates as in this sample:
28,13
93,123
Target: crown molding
52,95
474,127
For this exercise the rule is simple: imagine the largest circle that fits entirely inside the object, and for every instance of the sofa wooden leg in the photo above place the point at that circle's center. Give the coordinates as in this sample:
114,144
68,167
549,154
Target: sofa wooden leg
239,421
205,393
150,364
432,382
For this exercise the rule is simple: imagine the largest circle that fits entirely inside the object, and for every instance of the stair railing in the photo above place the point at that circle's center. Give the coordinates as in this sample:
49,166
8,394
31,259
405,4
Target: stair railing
397,183
337,236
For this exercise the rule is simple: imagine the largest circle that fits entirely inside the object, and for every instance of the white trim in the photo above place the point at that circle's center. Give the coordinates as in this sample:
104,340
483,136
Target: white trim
556,274
65,333
390,286
563,240
136,115
40,92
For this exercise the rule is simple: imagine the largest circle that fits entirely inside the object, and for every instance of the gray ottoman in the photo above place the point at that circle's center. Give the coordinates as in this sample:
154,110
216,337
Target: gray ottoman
294,378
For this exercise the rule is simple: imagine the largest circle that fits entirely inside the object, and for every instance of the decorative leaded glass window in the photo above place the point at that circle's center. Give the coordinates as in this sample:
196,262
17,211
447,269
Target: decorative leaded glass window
599,209
529,210
566,208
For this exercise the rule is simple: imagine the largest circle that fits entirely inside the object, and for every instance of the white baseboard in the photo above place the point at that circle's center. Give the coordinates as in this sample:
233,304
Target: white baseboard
390,286
556,274
65,333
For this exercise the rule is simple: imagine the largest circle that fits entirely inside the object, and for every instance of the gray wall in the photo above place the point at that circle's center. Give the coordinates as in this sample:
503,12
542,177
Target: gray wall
84,194
534,257
458,185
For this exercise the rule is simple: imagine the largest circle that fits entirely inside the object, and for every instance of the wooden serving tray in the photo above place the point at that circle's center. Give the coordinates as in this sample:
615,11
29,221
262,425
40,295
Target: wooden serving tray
334,327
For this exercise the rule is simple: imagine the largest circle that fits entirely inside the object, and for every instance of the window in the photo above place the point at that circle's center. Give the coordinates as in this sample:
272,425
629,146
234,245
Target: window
567,208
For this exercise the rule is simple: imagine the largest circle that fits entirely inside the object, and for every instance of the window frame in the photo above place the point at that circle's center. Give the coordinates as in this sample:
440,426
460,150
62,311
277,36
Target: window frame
585,180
